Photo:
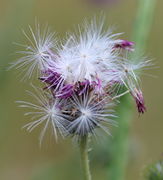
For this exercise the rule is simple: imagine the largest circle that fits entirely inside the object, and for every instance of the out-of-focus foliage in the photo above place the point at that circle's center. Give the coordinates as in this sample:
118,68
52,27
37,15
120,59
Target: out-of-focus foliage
155,171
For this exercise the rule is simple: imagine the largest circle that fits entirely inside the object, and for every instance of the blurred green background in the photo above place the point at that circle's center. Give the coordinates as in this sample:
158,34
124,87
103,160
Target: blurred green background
21,158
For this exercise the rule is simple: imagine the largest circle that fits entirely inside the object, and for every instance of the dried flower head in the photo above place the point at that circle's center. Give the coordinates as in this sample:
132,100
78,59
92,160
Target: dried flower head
82,76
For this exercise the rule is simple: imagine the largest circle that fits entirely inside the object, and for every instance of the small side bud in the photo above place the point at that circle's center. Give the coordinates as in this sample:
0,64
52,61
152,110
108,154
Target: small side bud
139,99
123,44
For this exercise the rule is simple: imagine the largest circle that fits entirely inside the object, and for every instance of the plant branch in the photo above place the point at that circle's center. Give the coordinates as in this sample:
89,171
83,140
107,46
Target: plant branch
84,157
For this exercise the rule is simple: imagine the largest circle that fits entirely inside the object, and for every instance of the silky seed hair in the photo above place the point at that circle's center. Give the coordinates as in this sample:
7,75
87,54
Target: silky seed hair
81,78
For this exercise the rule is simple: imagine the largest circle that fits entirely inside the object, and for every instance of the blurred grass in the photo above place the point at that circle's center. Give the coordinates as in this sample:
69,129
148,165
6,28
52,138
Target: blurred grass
21,157
142,27
17,16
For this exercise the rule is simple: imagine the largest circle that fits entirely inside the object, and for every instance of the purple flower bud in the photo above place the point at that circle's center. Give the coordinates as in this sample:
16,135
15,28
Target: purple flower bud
66,91
139,99
98,86
82,87
123,44
51,78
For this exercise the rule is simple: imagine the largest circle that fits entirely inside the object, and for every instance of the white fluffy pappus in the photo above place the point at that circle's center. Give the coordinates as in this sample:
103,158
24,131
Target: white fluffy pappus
91,114
83,75
46,111
88,54
37,54
128,72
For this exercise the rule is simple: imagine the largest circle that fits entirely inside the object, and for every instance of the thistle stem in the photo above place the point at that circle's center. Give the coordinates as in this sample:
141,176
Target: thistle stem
84,158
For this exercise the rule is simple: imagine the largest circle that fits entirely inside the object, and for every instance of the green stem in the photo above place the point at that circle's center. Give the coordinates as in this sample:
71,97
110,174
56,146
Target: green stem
143,25
119,146
84,158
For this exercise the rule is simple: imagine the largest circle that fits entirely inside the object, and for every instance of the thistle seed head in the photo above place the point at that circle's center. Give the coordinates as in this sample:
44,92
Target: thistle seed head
82,77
